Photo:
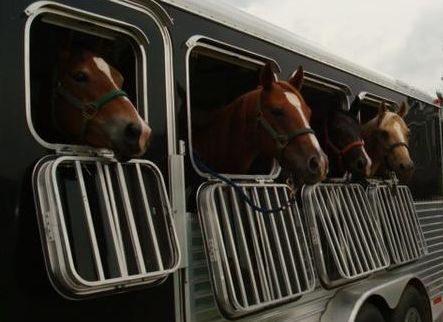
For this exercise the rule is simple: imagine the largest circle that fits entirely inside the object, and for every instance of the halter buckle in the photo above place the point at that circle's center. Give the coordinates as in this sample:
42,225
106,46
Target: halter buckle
282,139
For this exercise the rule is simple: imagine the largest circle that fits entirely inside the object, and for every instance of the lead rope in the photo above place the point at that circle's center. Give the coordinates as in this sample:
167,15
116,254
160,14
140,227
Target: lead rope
205,168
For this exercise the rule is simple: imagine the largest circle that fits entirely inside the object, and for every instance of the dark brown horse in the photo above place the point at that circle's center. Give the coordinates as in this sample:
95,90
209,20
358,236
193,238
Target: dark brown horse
272,120
387,137
89,106
342,141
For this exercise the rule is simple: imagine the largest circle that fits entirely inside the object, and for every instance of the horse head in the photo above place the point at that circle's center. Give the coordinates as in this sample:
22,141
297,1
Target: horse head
90,106
284,130
388,135
343,143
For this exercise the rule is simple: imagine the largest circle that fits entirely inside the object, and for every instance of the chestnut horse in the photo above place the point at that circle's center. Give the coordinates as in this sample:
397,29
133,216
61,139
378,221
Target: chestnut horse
89,106
386,137
342,141
273,121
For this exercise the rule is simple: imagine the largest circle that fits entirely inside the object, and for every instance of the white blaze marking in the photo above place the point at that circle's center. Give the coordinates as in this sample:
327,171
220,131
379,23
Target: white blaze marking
295,101
368,162
104,67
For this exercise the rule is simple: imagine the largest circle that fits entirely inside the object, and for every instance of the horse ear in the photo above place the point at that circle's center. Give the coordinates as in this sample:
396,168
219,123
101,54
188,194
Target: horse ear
402,110
296,79
355,106
381,112
267,76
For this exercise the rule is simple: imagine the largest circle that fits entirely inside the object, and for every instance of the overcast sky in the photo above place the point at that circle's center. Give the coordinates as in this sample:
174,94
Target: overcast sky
401,38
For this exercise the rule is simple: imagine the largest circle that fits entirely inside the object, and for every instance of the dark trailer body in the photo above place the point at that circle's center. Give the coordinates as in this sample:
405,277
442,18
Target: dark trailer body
163,44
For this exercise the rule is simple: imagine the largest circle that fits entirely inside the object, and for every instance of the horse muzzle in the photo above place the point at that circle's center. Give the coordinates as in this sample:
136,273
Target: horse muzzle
133,140
405,170
360,166
310,169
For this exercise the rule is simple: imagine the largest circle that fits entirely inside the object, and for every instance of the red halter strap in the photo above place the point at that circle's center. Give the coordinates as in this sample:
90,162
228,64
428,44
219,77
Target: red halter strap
341,152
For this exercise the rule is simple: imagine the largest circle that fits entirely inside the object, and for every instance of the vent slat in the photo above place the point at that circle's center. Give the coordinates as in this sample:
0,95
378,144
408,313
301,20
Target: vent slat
113,225
149,216
267,260
90,224
130,220
244,247
111,196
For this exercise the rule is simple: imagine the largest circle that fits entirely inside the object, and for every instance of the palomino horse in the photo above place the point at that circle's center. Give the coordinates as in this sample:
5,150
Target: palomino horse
386,138
342,141
272,120
89,106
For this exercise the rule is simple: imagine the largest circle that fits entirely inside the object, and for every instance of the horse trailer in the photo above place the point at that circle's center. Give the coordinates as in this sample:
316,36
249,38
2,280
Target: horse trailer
87,235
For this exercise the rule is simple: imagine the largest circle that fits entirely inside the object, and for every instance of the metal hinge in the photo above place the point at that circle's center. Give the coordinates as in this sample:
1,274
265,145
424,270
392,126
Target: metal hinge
84,151
261,180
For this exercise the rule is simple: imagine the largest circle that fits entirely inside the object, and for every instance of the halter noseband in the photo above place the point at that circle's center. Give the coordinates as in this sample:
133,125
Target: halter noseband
392,146
88,109
390,149
282,140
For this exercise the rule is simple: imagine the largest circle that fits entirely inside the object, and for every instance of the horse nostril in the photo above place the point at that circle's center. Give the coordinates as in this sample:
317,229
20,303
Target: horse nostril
313,164
133,131
406,166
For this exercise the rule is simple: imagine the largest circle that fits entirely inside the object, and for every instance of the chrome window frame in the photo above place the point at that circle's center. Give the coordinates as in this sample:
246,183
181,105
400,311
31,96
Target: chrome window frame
320,82
377,99
238,53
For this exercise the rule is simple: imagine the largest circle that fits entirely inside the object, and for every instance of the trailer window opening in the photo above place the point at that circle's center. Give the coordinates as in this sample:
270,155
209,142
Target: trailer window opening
370,104
216,79
51,37
322,94
426,180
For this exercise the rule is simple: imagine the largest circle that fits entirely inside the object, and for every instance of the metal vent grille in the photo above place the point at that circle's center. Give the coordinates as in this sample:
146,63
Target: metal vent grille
105,225
396,212
346,236
256,259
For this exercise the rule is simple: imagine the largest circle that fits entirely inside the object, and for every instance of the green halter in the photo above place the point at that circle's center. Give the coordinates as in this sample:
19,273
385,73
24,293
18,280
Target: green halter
281,140
88,109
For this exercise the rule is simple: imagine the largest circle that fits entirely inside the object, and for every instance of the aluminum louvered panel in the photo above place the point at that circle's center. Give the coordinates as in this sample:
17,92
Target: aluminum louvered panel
396,213
256,259
105,226
346,237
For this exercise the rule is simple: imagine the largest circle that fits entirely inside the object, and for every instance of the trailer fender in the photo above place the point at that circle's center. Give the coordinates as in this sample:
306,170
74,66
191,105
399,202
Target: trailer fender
346,303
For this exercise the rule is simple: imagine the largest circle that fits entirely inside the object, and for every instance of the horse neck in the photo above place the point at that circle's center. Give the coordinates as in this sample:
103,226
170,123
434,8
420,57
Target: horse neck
336,167
227,142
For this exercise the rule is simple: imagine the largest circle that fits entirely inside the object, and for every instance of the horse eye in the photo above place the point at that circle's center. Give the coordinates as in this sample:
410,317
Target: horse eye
80,77
277,111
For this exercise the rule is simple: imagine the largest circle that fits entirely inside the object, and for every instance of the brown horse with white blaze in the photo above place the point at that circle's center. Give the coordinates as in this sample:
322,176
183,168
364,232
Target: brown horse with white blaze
272,120
387,137
90,107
